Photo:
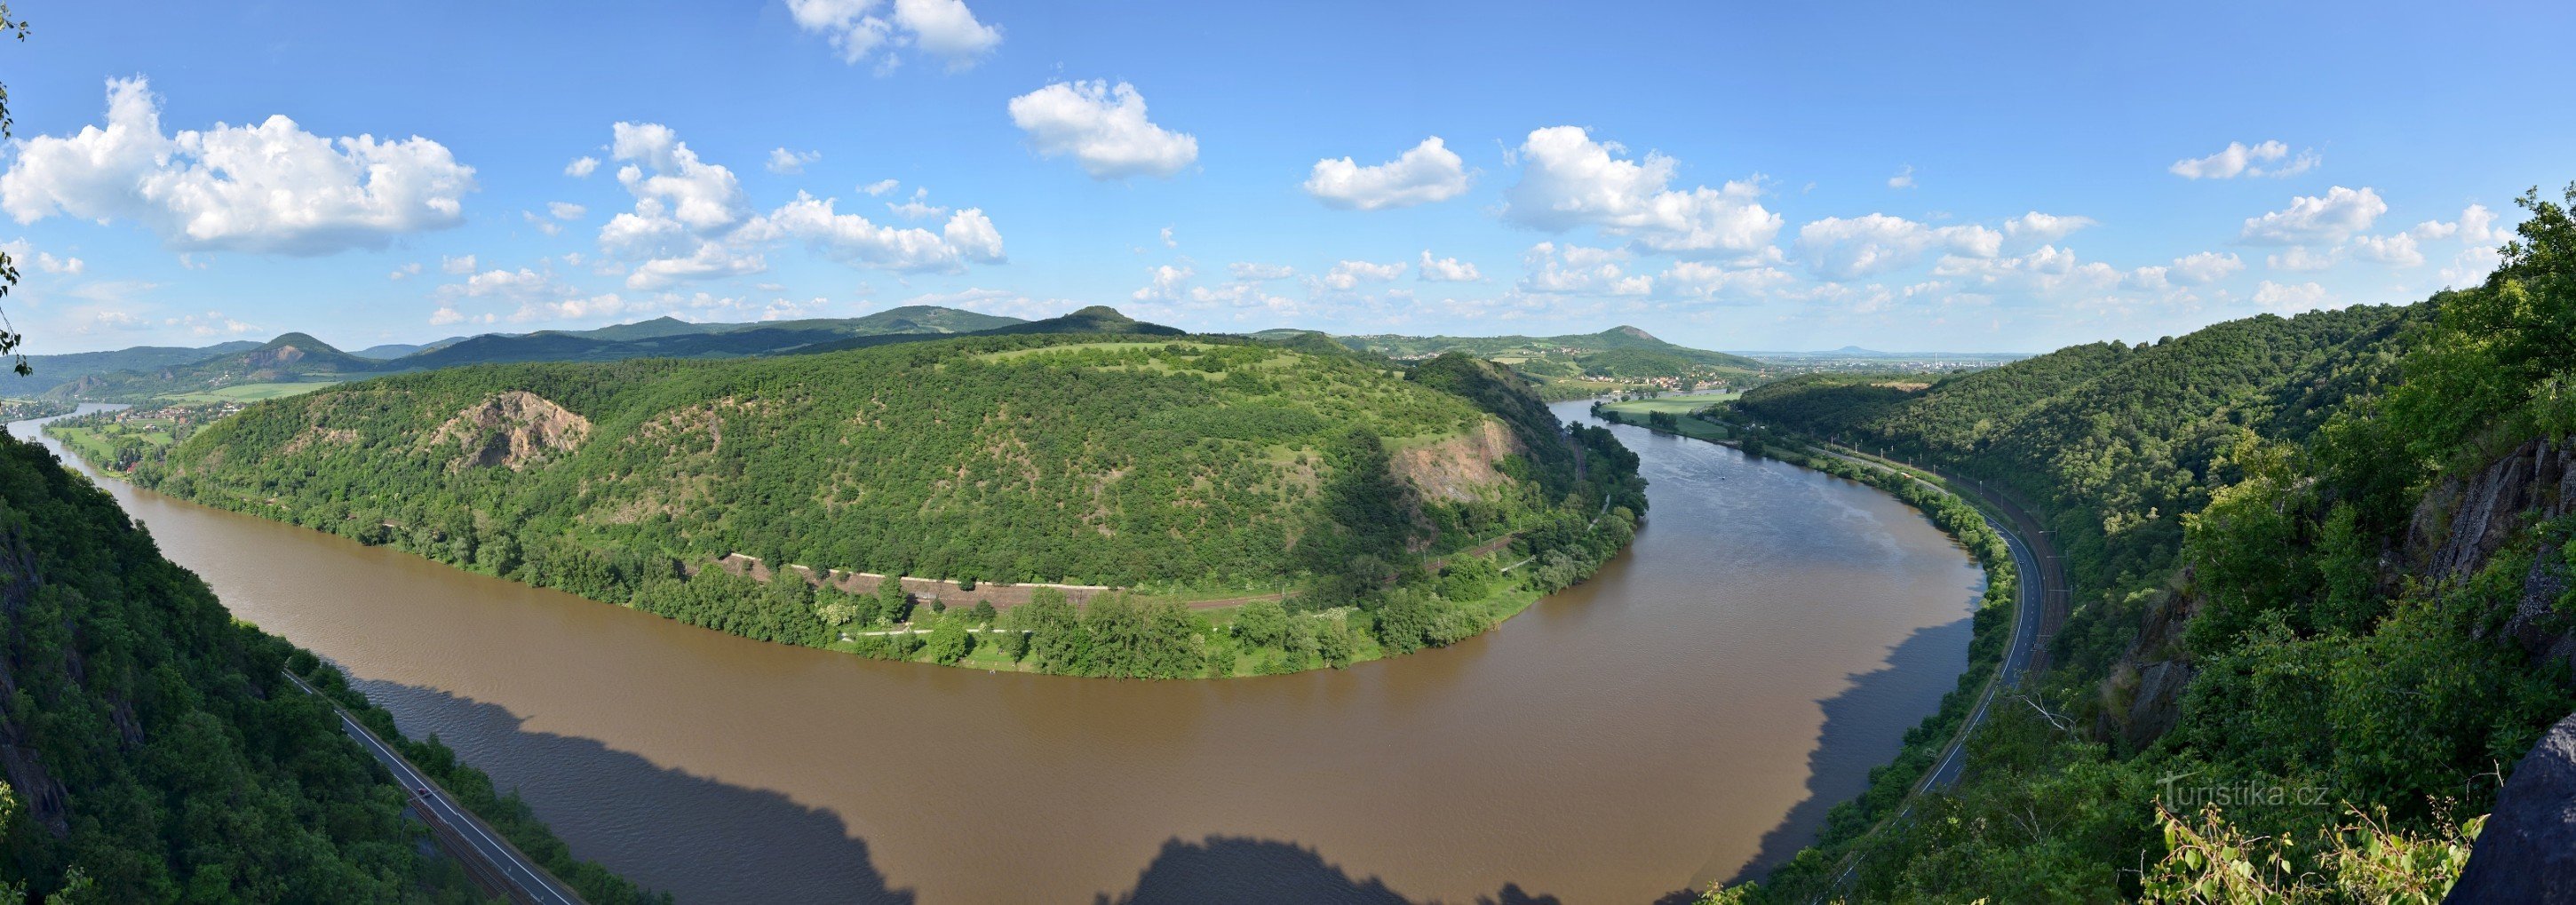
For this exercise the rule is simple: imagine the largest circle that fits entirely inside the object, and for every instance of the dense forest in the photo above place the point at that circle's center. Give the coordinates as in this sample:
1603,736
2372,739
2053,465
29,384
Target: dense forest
2317,583
1328,485
154,750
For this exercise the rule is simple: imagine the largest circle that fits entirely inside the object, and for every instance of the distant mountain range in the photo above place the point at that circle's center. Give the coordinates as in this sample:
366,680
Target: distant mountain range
1858,352
146,372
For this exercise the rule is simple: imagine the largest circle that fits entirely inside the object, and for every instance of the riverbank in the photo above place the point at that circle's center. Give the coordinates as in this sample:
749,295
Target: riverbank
1083,630
1653,728
2006,631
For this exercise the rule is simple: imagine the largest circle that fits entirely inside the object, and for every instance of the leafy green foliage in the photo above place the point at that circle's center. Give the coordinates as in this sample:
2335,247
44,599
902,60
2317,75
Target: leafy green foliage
162,754
2260,482
1176,464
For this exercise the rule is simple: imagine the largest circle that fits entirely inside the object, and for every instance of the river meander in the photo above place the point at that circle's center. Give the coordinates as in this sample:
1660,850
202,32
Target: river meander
1689,711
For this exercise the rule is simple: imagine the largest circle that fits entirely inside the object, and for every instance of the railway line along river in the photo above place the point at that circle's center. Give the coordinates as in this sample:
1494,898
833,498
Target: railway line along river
1691,710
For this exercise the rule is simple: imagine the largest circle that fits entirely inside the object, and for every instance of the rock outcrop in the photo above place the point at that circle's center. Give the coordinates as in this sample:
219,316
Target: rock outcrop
2528,851
2461,524
511,430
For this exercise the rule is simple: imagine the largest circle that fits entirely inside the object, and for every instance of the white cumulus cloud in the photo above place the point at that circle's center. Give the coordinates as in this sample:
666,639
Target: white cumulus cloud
2237,159
270,188
2291,297
1102,127
1446,270
1427,173
2317,220
1838,249
788,163
1348,275
858,28
1570,180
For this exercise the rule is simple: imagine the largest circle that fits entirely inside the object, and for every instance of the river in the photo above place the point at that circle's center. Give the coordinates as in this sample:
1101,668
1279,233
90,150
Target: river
1690,711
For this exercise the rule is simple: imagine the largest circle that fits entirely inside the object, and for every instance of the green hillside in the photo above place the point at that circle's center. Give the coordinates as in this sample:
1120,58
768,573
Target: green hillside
157,752
1175,465
1582,365
2317,569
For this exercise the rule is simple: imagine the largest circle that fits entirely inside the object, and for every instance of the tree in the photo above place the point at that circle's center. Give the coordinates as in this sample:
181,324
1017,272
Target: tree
10,338
949,641
1262,623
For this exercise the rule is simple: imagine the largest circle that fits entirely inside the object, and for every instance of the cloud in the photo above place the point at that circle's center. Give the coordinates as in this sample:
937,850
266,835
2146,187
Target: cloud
1446,270
1164,284
2290,297
2317,220
1578,270
563,210
1904,178
1840,249
1102,127
2397,250
788,163
406,271
1168,241
2204,268
581,167
457,265
1427,173
704,197
711,260
2238,160
1703,281
542,224
1252,272
445,315
1569,180
2036,227
850,238
26,257
879,187
917,208
857,28
272,188
2476,226
1348,275
2299,258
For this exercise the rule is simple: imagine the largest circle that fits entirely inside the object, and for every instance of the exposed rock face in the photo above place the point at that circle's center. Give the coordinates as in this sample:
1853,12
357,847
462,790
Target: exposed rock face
1460,468
2143,697
512,430
2528,850
2461,524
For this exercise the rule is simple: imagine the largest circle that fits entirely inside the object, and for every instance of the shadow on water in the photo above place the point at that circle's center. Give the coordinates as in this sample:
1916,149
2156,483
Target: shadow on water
1236,870
1864,727
736,844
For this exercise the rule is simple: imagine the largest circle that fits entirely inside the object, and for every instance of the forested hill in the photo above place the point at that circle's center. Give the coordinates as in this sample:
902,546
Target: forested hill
141,374
2318,571
1101,459
155,751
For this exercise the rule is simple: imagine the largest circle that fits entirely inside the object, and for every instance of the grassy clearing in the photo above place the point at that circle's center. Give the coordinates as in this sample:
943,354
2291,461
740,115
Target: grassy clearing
251,392
1086,347
1679,405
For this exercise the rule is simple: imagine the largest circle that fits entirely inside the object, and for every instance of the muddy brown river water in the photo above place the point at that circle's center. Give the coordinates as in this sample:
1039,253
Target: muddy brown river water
1689,712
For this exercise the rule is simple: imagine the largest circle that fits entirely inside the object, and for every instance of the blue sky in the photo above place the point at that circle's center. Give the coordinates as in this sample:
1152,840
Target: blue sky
2010,177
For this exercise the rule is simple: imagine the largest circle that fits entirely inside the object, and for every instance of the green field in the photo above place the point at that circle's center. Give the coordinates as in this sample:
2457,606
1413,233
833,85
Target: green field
251,392
1679,405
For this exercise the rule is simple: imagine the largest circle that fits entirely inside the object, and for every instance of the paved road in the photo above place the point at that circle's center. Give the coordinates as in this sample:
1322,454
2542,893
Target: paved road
489,854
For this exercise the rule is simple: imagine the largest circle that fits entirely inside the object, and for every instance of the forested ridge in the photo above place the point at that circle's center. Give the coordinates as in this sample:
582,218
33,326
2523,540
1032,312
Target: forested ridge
1170,465
2302,657
154,750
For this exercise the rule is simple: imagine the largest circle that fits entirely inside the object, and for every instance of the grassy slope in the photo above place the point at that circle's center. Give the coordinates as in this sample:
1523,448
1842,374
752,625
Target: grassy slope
922,459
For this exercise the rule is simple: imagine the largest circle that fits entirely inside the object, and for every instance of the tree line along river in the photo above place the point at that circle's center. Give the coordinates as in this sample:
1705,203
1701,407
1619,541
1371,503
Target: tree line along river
1688,713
